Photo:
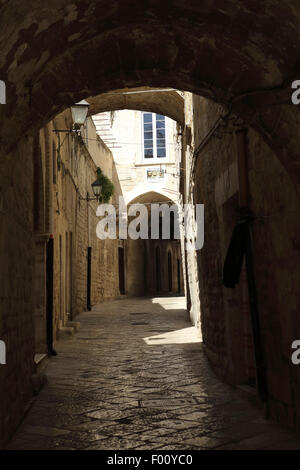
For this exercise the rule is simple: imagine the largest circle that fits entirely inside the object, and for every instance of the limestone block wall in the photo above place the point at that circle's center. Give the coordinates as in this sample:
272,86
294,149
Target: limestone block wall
40,187
75,224
190,257
225,312
16,284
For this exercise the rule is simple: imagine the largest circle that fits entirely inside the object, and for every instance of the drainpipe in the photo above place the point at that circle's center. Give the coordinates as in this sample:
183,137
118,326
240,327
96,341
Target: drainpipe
49,248
49,289
241,146
89,260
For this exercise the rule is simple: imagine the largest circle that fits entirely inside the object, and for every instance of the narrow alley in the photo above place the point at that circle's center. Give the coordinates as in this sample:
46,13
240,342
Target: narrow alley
149,225
135,377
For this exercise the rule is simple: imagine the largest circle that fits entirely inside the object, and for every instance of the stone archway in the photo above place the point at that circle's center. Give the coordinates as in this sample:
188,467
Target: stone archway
56,54
53,56
167,102
146,257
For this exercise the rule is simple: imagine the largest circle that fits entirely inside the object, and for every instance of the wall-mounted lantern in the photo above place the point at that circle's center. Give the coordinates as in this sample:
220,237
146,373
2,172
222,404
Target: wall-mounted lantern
97,188
79,113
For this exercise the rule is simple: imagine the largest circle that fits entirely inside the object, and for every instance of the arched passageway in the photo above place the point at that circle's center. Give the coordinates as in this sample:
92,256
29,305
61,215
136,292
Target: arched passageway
150,270
166,102
53,56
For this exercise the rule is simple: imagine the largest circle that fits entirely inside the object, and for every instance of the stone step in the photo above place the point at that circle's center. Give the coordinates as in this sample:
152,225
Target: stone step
74,324
66,332
41,360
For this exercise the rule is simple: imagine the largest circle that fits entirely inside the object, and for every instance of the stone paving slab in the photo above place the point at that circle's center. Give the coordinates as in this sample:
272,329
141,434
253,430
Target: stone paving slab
135,377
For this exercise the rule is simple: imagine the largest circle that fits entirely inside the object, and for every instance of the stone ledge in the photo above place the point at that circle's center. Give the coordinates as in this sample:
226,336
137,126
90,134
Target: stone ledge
66,332
73,324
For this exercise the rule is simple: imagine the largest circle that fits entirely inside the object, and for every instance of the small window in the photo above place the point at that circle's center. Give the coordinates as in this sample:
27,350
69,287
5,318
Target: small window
154,136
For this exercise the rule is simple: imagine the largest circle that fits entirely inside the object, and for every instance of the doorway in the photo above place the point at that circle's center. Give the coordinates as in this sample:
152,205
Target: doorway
170,277
121,270
158,269
178,277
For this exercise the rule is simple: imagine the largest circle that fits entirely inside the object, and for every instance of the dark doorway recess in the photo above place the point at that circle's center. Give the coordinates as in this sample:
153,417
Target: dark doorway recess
49,290
178,276
121,271
158,269
170,277
89,278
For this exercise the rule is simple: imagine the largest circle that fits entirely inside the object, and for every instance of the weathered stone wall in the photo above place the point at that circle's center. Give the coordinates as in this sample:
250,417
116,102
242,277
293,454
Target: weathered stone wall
225,312
16,284
190,259
76,159
39,198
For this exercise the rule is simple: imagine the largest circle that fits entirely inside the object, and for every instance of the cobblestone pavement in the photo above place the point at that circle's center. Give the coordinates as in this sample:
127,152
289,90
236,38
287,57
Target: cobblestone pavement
135,377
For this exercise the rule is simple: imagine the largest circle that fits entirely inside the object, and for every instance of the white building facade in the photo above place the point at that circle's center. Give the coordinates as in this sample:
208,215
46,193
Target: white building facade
146,149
